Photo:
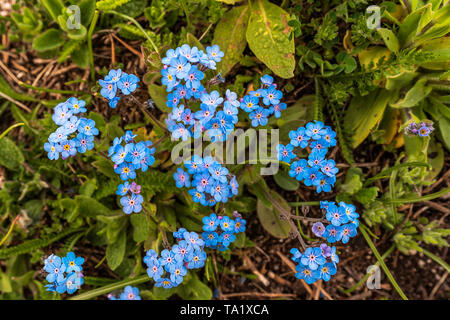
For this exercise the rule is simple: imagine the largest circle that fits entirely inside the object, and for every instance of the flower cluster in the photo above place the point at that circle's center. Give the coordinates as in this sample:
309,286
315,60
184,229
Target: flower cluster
169,269
129,156
74,134
64,274
320,262
129,293
317,170
212,224
211,181
259,112
182,73
343,222
423,129
117,83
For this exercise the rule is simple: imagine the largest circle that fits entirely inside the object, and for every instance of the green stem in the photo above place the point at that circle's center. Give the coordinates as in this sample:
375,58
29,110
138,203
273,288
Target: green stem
111,287
383,265
420,199
364,279
91,52
437,259
393,196
29,86
137,25
304,203
10,128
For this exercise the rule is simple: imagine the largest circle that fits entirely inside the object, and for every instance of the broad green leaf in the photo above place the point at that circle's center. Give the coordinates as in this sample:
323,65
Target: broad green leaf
159,96
364,113
141,227
115,252
10,155
80,57
389,39
444,128
230,36
78,34
285,181
194,42
440,48
90,207
408,28
87,8
268,36
270,217
54,7
416,94
50,39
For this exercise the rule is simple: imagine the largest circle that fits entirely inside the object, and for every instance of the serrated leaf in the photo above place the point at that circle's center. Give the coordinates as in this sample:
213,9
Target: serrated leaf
230,36
50,39
268,37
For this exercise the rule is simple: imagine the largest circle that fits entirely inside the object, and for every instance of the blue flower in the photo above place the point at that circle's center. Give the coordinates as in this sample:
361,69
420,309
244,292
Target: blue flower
259,117
70,284
177,274
84,142
165,283
76,106
170,54
219,191
312,176
180,131
239,225
128,83
154,268
193,240
132,203
122,189
197,196
324,183
62,114
73,263
218,172
130,293
179,67
126,171
182,249
190,54
315,130
205,113
196,259
168,260
329,168
318,229
285,152
214,53
181,178
87,126
168,80
276,109
212,99
335,216
135,152
298,169
334,257
313,258
53,150
348,210
114,75
266,80
109,89
249,103
330,138
211,238
296,255
226,224
332,233
55,270
226,238
148,159
129,136
179,234
310,276
326,271
202,181
68,149
194,77
58,136
120,155
347,231
210,223
272,96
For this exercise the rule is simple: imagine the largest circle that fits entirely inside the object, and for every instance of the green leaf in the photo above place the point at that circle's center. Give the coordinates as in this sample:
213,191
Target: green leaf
270,217
285,181
115,252
80,57
389,39
54,7
50,39
10,155
367,195
90,207
268,37
417,93
192,41
141,227
230,36
444,128
87,8
159,96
